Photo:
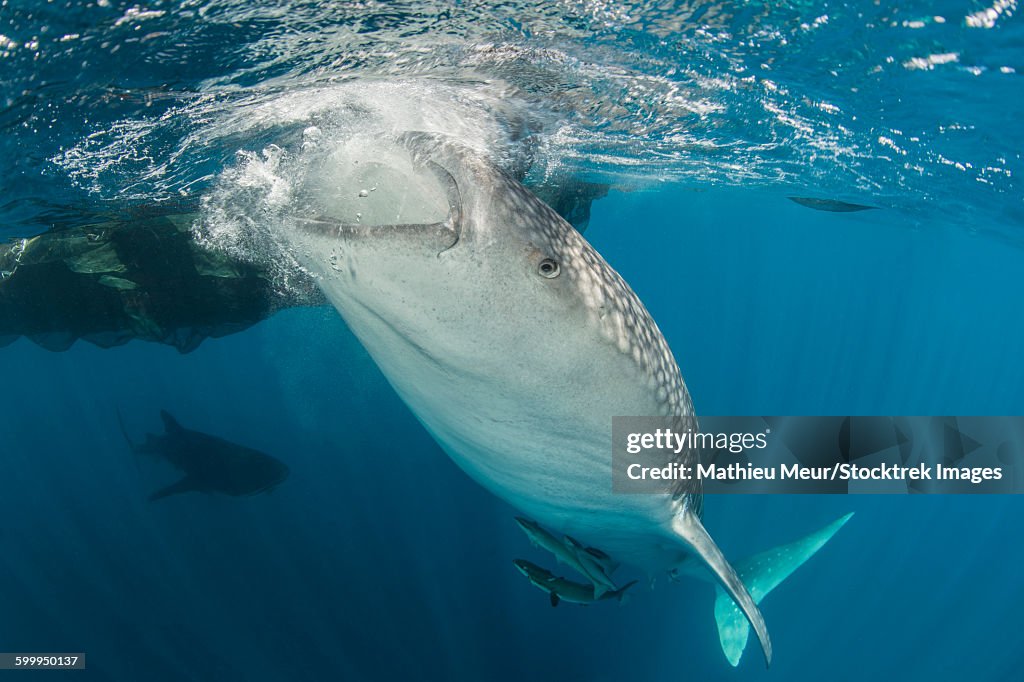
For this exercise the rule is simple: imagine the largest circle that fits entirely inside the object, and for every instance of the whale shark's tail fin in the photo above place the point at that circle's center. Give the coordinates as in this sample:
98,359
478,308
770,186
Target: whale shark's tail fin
687,527
761,573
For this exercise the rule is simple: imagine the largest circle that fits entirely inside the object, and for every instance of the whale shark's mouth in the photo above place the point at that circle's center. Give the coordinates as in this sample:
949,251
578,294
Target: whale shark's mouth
366,191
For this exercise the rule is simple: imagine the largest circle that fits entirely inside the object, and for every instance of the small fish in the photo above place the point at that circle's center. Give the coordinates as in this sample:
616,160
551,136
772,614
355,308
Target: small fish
570,553
596,566
559,589
831,205
606,561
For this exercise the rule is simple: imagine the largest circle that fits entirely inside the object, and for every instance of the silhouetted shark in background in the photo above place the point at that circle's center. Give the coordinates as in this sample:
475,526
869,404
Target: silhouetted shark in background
210,464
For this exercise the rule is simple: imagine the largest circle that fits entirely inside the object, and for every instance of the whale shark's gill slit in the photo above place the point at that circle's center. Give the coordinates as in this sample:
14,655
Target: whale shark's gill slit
407,338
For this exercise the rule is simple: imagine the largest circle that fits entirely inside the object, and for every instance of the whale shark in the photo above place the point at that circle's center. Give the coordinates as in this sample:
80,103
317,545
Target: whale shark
209,464
515,344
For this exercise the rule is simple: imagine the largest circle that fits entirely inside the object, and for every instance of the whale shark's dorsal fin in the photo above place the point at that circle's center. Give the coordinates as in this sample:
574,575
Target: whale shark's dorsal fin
171,425
690,530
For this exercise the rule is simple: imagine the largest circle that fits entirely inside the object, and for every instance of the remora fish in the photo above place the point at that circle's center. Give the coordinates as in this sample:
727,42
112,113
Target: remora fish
210,464
561,589
607,563
514,343
594,561
570,553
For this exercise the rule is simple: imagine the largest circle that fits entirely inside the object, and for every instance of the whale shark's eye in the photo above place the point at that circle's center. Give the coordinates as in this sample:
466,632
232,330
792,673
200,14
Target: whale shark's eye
548,268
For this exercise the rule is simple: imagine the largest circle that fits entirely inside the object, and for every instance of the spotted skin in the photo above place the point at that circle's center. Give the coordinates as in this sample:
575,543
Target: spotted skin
612,306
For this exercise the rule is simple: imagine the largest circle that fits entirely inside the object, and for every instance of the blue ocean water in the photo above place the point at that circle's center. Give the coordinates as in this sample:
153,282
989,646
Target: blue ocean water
378,559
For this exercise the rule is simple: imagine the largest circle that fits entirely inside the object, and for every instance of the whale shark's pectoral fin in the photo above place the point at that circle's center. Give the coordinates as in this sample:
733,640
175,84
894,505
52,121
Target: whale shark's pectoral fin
554,599
690,530
761,573
185,485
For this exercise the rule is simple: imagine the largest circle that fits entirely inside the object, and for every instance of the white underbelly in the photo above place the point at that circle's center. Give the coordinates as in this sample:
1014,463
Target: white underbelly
547,457
547,453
